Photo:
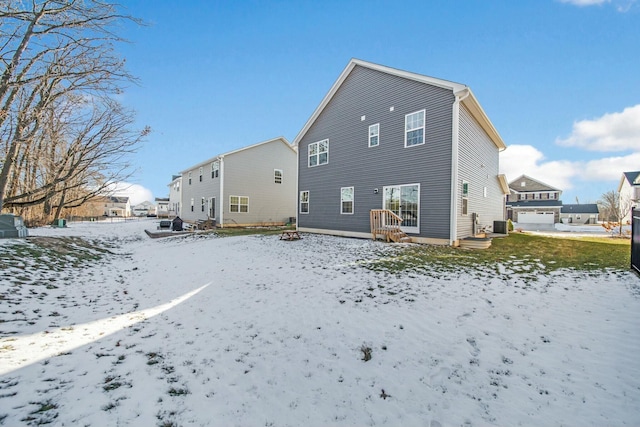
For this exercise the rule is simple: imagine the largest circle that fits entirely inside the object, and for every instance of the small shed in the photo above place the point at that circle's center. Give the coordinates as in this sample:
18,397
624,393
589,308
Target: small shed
176,224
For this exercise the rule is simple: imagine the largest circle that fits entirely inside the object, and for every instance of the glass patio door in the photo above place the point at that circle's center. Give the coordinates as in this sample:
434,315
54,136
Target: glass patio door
404,201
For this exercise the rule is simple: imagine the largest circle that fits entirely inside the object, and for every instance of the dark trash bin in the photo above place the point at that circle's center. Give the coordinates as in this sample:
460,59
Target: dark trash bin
176,224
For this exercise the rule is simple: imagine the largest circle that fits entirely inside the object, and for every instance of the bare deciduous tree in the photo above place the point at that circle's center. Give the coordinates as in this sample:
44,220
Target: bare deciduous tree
62,136
614,207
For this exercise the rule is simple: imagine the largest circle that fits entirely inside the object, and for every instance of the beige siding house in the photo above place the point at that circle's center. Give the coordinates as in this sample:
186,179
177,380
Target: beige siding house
255,185
629,190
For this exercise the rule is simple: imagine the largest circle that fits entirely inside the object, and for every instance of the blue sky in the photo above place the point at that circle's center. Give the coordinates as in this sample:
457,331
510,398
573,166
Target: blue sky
559,79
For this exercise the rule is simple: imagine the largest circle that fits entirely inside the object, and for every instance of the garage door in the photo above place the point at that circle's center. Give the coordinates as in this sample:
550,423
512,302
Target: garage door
535,218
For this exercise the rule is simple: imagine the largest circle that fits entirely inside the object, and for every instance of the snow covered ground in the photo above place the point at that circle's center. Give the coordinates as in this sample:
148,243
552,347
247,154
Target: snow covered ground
254,331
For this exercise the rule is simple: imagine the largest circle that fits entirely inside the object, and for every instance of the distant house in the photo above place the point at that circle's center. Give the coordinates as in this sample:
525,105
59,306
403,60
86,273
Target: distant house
629,190
587,213
143,209
255,185
174,208
162,207
110,206
533,202
387,141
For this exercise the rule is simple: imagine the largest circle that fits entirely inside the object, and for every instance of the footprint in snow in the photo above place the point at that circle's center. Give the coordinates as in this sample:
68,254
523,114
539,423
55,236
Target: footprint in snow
439,377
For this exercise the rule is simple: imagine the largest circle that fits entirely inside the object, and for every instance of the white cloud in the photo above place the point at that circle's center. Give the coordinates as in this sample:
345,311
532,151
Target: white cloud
585,2
622,6
519,160
610,168
136,193
611,132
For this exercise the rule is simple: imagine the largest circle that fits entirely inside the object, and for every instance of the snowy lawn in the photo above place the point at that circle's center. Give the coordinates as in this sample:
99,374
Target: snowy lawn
254,331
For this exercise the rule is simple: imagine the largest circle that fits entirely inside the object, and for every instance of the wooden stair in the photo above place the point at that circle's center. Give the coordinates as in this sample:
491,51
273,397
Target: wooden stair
387,224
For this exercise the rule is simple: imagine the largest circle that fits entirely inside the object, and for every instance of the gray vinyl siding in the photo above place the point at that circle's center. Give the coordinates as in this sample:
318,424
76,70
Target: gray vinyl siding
209,187
478,165
352,163
250,173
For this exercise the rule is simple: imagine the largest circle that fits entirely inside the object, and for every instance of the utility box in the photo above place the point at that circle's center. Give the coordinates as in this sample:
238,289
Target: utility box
12,226
500,227
59,223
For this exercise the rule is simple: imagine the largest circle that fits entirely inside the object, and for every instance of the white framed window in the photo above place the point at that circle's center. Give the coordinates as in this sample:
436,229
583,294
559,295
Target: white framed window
374,135
200,174
414,128
465,197
304,202
238,204
552,195
202,205
192,204
346,200
189,178
277,176
215,169
319,153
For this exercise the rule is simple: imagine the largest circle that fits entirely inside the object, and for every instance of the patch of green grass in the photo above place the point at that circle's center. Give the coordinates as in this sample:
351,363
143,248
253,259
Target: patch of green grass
519,252
248,231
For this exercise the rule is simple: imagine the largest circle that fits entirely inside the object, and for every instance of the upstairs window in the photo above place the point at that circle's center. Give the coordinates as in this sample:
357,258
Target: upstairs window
277,176
189,178
200,172
414,128
238,204
304,202
374,135
215,169
346,200
319,153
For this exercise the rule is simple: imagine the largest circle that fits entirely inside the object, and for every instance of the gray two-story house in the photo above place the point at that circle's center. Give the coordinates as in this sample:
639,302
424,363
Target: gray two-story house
386,140
251,186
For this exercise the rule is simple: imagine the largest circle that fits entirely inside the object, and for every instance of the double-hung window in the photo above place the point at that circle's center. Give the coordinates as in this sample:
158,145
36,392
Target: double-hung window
465,197
215,169
346,200
192,204
200,174
238,204
374,135
189,178
414,128
304,202
319,153
277,176
202,205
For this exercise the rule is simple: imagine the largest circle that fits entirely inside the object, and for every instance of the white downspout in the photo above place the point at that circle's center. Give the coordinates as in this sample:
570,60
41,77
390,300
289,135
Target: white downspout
455,139
221,191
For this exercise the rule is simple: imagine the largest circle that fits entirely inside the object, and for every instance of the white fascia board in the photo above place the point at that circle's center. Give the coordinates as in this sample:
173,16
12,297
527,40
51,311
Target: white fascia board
282,139
476,110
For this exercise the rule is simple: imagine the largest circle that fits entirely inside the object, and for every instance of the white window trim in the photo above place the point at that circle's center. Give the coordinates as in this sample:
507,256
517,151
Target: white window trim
189,178
423,127
309,155
200,171
376,135
307,202
215,169
275,176
465,197
239,204
353,201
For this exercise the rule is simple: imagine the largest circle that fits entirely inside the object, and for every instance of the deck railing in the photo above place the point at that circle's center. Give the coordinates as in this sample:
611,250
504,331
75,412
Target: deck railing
384,223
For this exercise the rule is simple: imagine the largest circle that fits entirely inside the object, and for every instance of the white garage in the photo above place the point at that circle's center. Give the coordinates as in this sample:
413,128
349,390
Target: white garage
536,217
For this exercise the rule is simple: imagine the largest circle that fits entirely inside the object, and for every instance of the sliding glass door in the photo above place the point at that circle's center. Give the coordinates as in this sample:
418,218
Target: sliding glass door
404,201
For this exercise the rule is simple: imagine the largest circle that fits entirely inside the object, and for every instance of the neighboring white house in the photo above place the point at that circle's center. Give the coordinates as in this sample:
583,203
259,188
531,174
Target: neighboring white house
629,190
143,209
255,185
113,206
174,208
162,207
